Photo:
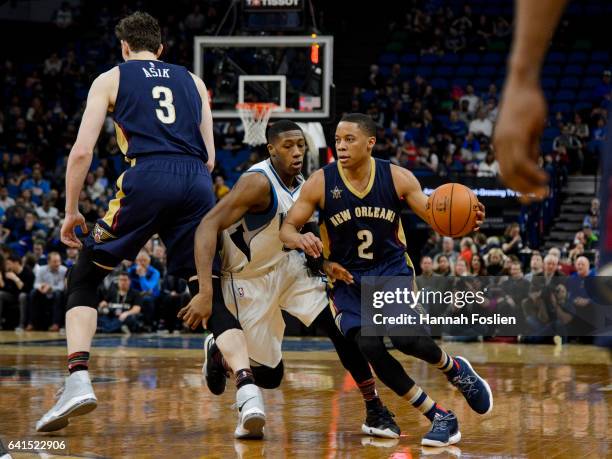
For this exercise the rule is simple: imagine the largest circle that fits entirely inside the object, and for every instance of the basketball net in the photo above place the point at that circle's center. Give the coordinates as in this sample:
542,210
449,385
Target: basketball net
255,116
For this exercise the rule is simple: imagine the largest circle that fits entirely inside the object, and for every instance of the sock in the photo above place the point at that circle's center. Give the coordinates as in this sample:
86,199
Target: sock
78,361
244,377
448,365
220,360
423,402
369,393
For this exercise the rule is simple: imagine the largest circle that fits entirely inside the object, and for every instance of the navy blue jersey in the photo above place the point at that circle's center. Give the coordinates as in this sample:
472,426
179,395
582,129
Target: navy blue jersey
158,110
361,230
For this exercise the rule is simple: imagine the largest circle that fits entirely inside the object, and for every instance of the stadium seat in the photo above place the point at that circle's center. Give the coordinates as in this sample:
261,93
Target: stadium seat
590,82
595,69
549,83
481,84
562,107
424,70
409,59
600,56
388,58
384,70
564,95
487,71
582,105
439,83
449,59
493,58
429,59
465,71
573,70
470,58
555,57
368,96
551,70
444,71
585,95
569,83
461,82
577,57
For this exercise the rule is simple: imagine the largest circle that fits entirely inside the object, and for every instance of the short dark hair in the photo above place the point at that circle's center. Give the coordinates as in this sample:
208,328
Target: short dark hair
15,257
141,32
280,126
123,273
365,122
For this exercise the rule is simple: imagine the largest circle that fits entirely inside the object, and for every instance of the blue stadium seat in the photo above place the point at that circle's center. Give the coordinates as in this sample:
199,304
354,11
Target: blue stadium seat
564,95
444,71
409,59
424,70
577,57
600,56
384,70
549,83
493,58
481,84
439,83
556,57
551,70
562,107
487,71
585,95
388,58
582,105
471,58
449,59
593,10
595,69
590,82
465,71
429,59
569,83
573,70
461,82
368,96
550,133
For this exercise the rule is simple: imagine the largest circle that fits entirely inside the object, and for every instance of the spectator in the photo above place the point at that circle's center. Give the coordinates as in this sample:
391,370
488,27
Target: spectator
220,188
72,255
448,249
467,249
5,200
120,307
145,279
442,266
477,266
472,99
489,167
47,302
593,213
48,214
427,267
455,125
550,273
461,268
63,16
604,88
536,265
195,20
513,243
495,261
481,126
15,284
591,239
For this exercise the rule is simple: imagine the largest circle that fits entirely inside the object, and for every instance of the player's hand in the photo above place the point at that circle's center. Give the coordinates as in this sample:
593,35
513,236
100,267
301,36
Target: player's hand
335,271
516,139
310,244
68,236
198,310
480,216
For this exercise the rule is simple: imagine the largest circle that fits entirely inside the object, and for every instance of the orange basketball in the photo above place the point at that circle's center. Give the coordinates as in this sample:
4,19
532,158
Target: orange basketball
452,210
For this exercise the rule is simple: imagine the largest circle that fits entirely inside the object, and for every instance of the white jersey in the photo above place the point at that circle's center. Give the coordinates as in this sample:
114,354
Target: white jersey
251,247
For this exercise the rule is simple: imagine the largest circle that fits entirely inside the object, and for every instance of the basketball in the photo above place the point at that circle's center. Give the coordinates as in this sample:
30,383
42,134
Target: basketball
452,209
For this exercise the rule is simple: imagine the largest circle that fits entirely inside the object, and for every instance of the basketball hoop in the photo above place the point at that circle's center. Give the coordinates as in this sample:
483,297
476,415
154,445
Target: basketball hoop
255,116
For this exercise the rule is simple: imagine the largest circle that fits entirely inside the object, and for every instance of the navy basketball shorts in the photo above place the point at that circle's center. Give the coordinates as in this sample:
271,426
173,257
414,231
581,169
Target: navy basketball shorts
160,194
345,299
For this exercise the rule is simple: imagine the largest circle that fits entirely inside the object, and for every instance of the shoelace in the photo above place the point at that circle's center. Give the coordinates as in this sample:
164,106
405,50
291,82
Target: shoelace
59,392
386,416
466,385
440,423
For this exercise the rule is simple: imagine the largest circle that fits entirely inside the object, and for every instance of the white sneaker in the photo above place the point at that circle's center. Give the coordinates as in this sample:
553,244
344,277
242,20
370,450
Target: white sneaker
77,398
251,415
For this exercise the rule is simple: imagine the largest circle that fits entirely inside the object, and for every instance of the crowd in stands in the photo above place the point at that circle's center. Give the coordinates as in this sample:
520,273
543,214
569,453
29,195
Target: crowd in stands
429,130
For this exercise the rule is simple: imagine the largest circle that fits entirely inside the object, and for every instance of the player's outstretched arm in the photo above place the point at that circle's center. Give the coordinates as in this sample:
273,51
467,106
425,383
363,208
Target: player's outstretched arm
311,197
250,194
408,188
522,114
206,126
79,160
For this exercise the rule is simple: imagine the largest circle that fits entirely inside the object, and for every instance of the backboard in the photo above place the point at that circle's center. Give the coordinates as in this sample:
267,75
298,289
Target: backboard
293,72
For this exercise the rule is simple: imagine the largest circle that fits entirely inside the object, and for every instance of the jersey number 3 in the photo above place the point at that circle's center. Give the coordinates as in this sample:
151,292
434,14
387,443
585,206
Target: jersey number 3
366,237
166,113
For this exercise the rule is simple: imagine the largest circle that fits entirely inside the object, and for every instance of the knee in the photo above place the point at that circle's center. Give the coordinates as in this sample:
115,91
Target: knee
85,277
421,347
267,377
371,346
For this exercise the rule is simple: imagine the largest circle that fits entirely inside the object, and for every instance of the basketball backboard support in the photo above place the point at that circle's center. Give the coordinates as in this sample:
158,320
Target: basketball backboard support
294,72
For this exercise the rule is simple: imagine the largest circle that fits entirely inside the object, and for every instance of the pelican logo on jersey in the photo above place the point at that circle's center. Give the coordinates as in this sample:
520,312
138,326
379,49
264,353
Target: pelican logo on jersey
363,212
101,235
336,192
153,72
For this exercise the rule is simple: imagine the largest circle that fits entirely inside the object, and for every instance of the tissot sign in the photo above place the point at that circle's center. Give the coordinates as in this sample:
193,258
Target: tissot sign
272,5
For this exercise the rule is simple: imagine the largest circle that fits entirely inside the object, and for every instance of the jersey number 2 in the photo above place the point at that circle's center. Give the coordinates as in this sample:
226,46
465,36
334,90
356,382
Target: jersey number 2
366,237
166,113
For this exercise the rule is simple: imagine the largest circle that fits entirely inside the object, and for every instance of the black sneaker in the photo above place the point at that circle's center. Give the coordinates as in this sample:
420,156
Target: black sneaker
444,431
379,423
213,373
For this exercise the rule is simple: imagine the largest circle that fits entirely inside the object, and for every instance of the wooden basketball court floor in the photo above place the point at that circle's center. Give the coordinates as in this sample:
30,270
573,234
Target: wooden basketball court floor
550,402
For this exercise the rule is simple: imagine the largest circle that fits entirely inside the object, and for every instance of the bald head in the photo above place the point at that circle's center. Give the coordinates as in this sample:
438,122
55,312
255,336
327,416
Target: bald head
583,266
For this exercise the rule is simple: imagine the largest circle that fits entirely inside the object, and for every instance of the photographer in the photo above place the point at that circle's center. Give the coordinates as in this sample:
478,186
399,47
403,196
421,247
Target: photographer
120,308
